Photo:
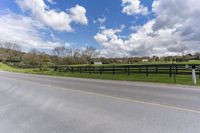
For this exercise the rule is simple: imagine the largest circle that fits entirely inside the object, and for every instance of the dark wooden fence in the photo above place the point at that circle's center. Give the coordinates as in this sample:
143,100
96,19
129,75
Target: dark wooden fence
170,69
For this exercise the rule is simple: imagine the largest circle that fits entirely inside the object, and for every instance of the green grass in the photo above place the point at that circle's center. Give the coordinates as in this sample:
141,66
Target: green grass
140,63
180,79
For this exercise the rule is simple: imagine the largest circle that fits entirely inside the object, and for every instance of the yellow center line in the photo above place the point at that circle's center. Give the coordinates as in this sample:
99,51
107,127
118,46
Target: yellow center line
133,100
117,98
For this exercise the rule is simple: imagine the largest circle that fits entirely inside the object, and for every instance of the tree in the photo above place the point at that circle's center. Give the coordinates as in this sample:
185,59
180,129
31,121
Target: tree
61,52
12,50
76,53
30,59
88,53
183,50
34,51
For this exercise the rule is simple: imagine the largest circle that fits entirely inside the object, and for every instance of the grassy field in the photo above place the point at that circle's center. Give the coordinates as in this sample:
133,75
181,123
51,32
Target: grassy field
144,63
158,78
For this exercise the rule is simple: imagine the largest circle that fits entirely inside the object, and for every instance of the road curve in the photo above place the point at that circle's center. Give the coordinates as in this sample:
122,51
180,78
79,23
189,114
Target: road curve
44,104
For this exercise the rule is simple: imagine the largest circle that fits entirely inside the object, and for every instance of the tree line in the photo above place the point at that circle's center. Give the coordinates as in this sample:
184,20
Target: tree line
61,55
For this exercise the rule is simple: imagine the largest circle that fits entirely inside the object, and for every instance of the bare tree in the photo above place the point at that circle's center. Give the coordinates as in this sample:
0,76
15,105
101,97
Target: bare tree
34,51
76,53
11,49
183,50
89,52
11,46
62,51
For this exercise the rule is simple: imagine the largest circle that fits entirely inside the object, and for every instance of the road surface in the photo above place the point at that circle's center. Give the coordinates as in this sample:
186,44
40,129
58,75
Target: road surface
44,104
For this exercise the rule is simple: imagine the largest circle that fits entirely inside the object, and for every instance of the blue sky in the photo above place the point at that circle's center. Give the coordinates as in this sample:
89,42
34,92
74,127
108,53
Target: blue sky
127,27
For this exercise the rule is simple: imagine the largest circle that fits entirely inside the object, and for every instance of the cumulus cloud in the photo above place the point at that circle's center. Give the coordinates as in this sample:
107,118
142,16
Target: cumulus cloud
57,20
24,31
117,46
175,28
134,7
183,16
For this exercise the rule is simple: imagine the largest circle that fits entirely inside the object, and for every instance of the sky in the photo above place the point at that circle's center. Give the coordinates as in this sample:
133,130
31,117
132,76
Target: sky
116,28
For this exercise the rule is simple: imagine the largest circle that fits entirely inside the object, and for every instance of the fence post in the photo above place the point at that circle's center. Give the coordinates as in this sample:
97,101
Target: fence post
125,69
147,72
80,68
139,69
176,69
128,70
170,71
113,70
86,69
156,69
194,80
58,68
89,70
199,73
93,69
102,70
72,70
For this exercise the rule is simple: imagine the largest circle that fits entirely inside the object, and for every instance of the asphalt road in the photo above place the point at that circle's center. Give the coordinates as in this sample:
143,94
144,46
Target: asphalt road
44,104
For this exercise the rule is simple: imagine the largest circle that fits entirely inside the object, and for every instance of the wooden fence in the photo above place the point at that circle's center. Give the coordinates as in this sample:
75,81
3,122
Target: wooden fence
170,69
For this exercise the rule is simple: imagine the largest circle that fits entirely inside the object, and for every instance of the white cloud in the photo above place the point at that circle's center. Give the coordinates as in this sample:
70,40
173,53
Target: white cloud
77,14
102,20
51,1
113,44
183,17
174,28
24,31
60,21
101,38
134,28
134,7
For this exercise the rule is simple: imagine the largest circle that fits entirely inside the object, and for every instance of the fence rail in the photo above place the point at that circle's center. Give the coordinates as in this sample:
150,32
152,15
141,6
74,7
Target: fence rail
170,69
